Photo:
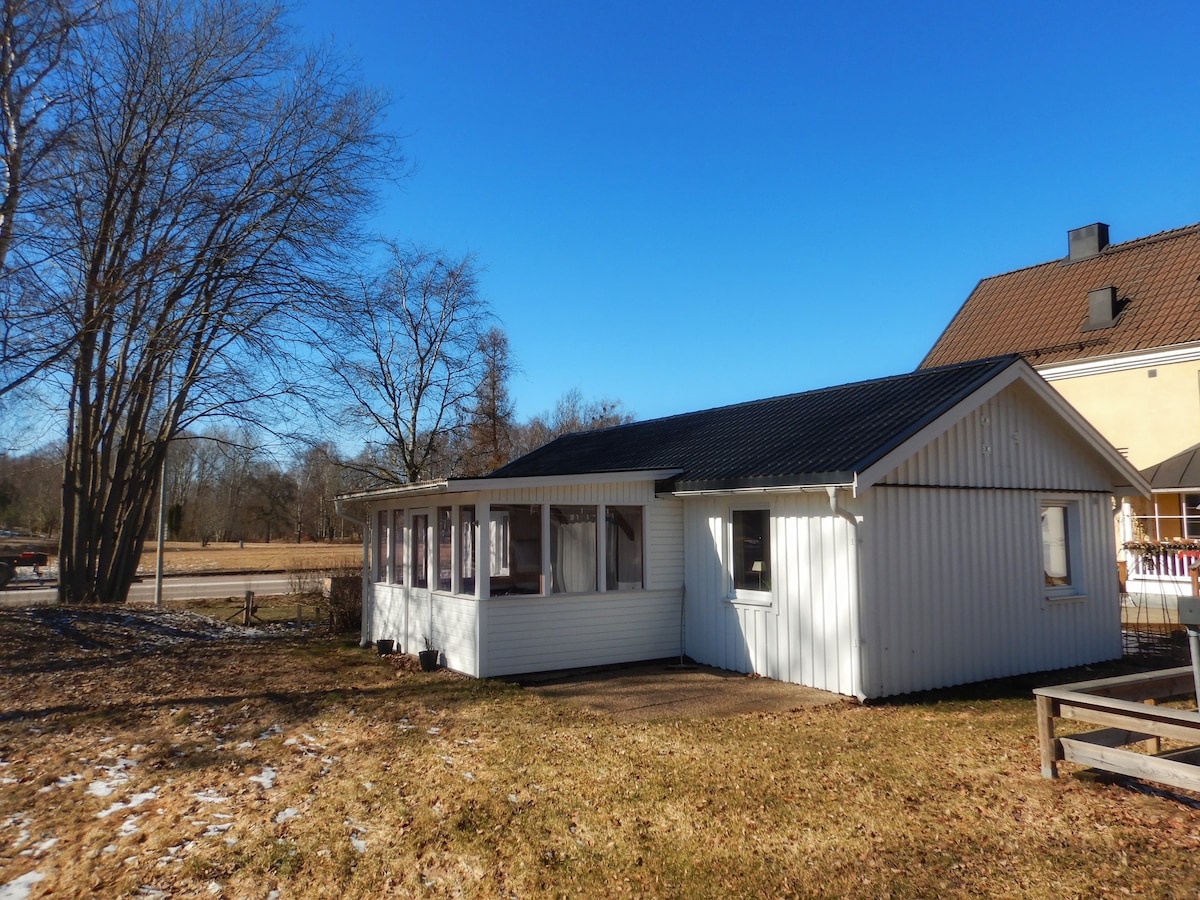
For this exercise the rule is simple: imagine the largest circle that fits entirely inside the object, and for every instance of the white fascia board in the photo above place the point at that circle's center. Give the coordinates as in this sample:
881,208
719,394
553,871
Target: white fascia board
1018,371
783,489
465,485
1121,362
390,493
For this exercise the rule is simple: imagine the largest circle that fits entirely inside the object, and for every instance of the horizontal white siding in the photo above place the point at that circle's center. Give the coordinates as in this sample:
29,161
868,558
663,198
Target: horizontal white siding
448,620
806,635
538,634
953,588
1011,441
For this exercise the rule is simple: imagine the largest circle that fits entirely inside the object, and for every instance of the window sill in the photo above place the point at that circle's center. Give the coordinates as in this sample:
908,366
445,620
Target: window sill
763,602
1061,599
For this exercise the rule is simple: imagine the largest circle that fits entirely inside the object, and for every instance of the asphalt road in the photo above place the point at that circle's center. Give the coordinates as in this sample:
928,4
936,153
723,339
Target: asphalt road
190,587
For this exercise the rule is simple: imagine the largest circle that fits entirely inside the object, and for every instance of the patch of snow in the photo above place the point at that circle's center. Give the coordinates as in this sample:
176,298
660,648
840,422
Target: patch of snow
434,730
128,827
358,844
270,732
134,801
266,779
211,797
285,814
20,888
470,776
214,888
246,745
39,849
217,830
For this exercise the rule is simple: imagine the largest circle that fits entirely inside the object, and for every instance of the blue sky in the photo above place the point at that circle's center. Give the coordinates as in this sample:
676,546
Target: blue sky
682,205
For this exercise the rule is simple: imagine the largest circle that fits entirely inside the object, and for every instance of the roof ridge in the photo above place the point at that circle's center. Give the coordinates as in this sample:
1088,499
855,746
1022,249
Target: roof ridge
982,363
1110,250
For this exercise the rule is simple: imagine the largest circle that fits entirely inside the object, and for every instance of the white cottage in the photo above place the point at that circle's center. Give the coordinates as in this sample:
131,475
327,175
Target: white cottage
914,532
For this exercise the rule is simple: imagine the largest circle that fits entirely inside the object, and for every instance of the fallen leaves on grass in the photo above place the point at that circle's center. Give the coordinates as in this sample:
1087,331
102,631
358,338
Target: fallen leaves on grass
166,755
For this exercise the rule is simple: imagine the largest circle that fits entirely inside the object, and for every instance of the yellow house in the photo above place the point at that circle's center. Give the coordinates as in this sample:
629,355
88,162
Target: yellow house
1115,328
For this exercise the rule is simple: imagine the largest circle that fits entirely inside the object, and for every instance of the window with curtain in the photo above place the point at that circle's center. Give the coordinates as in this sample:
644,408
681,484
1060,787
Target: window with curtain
572,549
516,550
381,544
751,554
420,550
397,555
445,547
623,548
467,537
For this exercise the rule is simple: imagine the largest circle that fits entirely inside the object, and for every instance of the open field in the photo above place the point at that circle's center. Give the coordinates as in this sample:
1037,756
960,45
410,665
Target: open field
158,755
233,557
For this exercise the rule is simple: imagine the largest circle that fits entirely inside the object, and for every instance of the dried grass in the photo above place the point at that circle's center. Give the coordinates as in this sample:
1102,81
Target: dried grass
165,754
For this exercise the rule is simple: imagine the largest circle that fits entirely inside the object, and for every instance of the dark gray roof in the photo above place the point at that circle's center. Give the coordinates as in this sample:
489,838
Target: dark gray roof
1181,472
818,437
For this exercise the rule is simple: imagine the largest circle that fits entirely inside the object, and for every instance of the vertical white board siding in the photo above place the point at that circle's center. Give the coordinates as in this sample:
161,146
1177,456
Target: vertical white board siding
664,547
953,589
383,614
805,636
454,633
539,634
1011,441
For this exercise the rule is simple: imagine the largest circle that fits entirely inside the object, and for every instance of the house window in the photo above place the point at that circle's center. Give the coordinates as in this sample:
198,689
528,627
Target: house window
572,549
623,548
398,546
516,554
420,550
1060,548
381,544
467,536
1191,516
751,552
445,547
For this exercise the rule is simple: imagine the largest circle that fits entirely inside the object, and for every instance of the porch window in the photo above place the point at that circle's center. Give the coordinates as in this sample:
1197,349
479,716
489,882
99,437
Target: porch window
467,536
572,549
624,548
516,533
381,544
1060,540
420,550
445,547
1191,516
751,552
398,546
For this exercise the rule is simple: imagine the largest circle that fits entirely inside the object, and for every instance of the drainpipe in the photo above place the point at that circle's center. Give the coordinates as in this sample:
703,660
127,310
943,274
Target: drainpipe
856,601
363,637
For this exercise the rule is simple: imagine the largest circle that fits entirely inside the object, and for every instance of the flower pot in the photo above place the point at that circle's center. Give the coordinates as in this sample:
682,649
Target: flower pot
385,647
429,660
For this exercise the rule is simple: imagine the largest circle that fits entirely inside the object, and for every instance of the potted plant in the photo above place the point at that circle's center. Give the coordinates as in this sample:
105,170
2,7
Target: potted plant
428,656
385,646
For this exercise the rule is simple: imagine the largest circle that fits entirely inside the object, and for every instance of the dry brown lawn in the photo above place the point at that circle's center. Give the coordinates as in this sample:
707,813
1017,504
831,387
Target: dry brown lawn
161,755
179,557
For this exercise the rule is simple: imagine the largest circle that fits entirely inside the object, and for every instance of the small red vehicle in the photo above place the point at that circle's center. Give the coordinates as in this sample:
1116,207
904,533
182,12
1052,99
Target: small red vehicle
10,562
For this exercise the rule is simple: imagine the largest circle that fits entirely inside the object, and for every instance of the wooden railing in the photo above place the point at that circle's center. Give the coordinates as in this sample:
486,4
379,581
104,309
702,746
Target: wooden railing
1126,708
1170,561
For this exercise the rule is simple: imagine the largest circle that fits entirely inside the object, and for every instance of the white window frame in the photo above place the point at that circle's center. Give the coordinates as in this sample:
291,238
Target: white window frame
743,596
1075,588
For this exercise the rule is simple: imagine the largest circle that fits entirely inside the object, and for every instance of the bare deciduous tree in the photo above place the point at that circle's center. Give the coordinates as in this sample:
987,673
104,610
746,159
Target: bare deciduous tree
212,176
407,349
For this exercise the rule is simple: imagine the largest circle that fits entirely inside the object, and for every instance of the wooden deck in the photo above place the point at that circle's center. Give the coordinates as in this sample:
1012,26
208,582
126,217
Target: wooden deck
1127,711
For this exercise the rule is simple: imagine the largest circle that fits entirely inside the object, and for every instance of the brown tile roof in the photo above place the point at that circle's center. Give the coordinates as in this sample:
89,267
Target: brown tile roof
1040,312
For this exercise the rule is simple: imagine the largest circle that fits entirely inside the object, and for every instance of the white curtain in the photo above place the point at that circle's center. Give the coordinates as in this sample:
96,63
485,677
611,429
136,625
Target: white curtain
573,549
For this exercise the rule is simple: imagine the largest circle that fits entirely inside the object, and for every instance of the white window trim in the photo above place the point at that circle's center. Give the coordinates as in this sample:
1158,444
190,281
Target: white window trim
740,597
1076,591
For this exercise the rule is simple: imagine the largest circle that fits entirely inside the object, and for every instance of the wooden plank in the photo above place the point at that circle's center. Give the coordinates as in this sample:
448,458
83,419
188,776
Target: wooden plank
1136,765
1155,721
1159,684
1046,745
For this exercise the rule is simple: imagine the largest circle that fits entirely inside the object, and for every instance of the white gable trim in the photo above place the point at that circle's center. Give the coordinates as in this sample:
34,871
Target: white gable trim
1127,475
1121,362
472,485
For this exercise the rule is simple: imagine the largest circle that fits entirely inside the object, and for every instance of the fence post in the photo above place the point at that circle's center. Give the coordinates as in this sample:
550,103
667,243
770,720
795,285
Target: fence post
248,610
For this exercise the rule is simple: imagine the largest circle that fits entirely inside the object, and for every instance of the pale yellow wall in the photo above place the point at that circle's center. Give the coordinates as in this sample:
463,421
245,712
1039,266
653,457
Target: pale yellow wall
1152,418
